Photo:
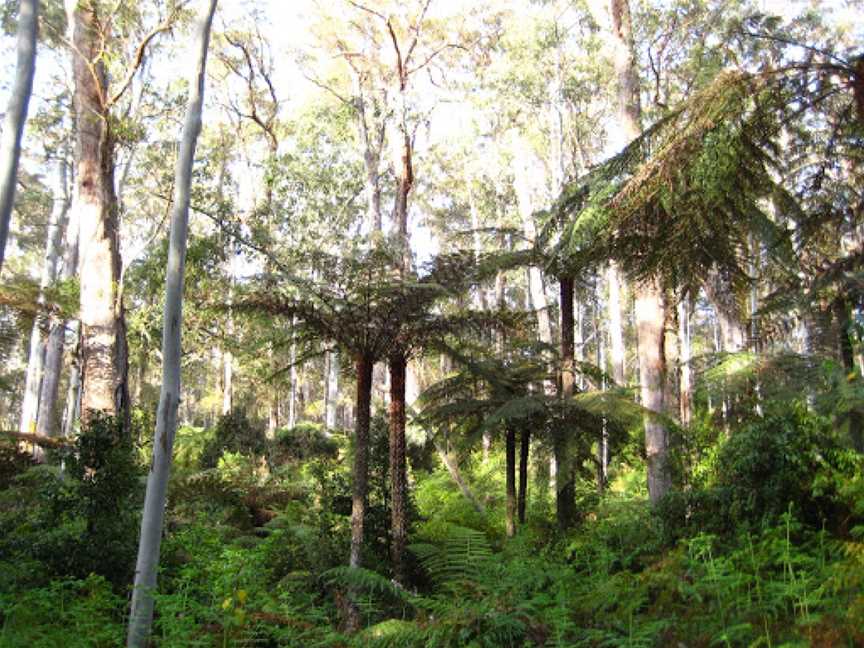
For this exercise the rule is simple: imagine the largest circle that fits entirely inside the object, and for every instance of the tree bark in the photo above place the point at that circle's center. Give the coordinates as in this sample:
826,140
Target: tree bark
104,362
565,484
30,408
16,114
49,424
398,477
650,319
141,615
616,330
510,468
524,450
686,387
361,457
331,390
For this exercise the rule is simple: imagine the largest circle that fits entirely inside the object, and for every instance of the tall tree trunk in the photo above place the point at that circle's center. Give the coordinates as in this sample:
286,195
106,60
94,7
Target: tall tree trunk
72,408
49,424
104,362
648,295
141,615
361,457
616,330
523,168
510,469
686,387
30,408
650,320
16,114
331,388
524,450
398,477
565,486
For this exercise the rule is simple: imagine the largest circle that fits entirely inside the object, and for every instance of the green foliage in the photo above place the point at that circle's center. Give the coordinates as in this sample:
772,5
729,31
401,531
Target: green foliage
788,458
234,433
76,613
79,519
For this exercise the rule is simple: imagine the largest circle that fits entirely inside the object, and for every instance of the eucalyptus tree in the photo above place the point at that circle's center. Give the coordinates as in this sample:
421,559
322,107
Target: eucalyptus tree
104,350
141,615
16,113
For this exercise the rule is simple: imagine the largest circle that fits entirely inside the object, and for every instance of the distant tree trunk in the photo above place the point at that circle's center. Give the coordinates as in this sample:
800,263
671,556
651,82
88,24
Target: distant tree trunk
510,468
616,331
227,381
30,408
141,615
686,388
72,408
847,357
524,450
565,486
104,361
16,114
650,319
398,477
48,423
455,474
332,390
293,377
728,309
671,345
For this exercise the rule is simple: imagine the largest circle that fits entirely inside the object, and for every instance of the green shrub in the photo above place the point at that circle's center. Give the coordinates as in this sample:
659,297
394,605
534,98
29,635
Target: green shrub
77,519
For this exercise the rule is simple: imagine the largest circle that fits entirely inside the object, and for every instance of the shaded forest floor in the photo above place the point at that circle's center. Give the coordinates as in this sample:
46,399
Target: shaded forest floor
761,546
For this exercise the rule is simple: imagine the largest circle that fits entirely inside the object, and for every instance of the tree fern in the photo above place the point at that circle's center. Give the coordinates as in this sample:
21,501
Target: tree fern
461,555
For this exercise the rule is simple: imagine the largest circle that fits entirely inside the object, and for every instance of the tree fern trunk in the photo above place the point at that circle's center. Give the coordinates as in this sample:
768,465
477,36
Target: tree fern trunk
398,479
565,486
524,449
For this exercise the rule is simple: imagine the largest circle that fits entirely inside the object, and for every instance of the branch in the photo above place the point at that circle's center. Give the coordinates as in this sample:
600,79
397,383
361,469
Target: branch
139,58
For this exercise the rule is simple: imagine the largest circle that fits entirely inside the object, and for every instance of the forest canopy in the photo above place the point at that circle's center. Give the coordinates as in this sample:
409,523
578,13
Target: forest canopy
432,323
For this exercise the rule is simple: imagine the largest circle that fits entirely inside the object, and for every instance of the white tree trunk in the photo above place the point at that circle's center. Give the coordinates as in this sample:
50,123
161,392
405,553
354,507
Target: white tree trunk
522,171
56,225
332,390
141,616
47,423
616,329
72,409
16,114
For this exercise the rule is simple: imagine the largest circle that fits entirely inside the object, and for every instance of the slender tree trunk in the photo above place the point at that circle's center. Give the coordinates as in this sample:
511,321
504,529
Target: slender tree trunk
16,114
104,361
650,319
522,170
332,390
72,409
49,424
686,388
141,615
361,457
510,468
565,486
616,331
30,408
398,477
524,450
456,475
